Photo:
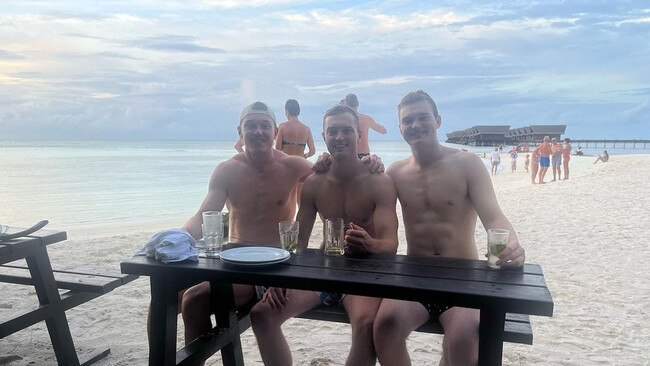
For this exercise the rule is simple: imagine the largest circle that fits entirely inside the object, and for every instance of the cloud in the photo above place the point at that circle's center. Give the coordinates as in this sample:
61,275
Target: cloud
143,69
6,55
173,43
233,4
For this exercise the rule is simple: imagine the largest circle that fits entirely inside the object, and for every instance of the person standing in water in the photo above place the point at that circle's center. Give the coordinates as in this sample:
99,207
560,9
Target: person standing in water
366,122
293,136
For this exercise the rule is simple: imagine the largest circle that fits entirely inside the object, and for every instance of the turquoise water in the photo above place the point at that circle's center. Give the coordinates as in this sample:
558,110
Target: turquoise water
87,184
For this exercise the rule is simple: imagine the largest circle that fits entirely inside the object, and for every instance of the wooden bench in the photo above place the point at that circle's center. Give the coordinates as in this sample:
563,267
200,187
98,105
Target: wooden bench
517,329
81,285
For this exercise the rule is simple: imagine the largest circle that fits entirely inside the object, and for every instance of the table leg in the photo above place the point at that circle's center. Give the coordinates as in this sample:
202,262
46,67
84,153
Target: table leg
490,347
163,321
47,292
226,316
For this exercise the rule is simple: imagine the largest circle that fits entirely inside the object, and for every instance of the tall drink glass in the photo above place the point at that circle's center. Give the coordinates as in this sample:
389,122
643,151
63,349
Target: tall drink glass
497,241
334,237
289,235
212,233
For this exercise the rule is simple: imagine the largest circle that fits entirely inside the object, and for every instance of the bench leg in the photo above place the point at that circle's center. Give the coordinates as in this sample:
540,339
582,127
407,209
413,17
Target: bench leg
226,317
490,343
47,292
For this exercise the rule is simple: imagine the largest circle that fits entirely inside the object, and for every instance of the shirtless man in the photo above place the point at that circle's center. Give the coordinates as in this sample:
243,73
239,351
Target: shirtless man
556,159
441,191
293,136
544,151
255,209
257,186
365,200
366,122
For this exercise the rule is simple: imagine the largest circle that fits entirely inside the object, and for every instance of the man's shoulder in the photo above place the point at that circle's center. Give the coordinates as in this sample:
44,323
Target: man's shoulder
465,161
289,160
398,166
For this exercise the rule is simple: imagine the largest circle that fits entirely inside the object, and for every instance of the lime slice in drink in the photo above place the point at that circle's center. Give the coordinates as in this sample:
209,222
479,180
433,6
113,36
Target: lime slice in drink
495,249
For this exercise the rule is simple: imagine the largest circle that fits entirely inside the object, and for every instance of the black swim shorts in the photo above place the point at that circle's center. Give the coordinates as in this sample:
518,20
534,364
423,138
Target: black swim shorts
435,309
331,298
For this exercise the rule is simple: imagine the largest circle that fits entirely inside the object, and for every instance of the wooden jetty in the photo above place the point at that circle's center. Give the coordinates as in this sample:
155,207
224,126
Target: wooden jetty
612,144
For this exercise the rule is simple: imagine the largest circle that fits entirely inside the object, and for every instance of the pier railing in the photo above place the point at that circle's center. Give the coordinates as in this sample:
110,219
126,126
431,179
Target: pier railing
620,144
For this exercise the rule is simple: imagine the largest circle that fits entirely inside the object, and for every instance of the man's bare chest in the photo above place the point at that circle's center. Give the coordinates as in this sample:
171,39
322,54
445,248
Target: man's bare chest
353,202
432,192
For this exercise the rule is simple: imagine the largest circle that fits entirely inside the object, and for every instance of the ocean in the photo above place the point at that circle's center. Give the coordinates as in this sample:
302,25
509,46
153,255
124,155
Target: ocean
93,185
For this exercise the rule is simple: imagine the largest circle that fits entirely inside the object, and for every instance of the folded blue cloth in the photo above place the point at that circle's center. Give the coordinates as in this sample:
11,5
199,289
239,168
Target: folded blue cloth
172,245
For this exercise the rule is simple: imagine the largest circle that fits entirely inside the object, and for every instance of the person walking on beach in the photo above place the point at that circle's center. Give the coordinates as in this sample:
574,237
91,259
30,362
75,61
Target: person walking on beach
556,160
366,122
293,136
527,162
544,151
495,159
566,156
604,158
441,191
513,159
365,200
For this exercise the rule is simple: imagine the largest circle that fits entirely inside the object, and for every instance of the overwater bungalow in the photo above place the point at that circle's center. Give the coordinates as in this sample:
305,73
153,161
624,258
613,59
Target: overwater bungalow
486,135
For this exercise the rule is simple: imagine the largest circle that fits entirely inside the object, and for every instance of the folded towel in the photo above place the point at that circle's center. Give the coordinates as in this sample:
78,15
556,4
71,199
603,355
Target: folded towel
172,245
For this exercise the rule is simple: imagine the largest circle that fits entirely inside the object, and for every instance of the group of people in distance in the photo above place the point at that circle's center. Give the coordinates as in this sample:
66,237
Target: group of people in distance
548,154
441,190
293,135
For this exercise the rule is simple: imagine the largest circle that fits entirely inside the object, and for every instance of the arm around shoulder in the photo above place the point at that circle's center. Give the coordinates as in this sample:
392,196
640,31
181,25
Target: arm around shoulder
306,213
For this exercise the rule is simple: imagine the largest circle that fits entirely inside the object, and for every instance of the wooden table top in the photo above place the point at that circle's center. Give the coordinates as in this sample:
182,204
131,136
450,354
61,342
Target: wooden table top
458,282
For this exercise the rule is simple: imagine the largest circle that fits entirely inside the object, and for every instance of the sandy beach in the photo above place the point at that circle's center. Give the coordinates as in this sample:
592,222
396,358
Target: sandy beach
589,234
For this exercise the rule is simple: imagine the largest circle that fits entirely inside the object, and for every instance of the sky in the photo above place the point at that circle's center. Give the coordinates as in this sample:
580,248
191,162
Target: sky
88,70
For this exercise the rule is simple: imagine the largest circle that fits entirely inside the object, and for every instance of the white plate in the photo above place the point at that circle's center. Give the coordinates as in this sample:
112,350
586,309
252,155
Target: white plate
254,255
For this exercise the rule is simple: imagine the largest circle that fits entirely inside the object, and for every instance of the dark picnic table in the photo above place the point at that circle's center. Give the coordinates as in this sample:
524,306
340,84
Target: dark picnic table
468,283
82,286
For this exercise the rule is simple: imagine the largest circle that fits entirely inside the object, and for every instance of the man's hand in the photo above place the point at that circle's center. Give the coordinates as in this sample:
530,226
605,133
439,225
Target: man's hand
374,163
513,255
323,163
357,240
276,297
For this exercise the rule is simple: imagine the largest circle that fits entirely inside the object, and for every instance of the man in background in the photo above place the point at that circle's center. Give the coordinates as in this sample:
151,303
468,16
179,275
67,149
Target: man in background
366,122
495,159
556,159
544,151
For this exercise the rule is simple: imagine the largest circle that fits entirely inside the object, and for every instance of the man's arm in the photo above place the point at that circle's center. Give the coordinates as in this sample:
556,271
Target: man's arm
376,126
384,221
485,203
213,201
306,214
